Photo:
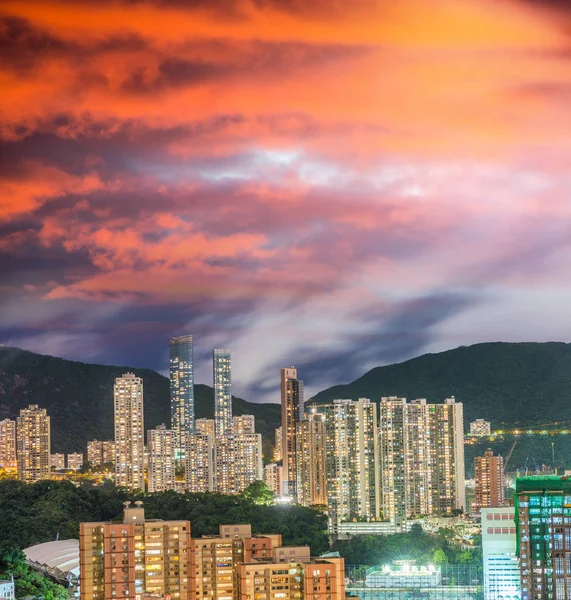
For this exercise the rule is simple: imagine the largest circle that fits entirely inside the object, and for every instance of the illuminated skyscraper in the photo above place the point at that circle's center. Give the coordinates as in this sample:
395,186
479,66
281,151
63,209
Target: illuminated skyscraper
33,444
352,460
292,413
160,447
8,444
199,463
311,444
222,377
489,481
421,458
182,390
129,432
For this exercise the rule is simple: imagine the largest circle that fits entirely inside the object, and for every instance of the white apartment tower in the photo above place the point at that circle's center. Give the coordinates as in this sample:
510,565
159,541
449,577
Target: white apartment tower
352,460
33,444
421,449
199,463
129,432
8,444
161,451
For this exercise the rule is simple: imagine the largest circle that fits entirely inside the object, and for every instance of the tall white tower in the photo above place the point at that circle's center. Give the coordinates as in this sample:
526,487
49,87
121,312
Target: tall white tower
129,432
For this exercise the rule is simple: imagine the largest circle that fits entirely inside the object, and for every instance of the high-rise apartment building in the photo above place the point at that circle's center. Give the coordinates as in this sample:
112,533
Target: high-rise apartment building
134,558
244,424
237,462
199,463
489,480
278,445
480,427
100,452
311,453
292,404
501,566
181,369
421,448
248,465
33,444
222,379
352,460
129,432
8,444
161,451
75,461
57,461
274,478
543,523
205,427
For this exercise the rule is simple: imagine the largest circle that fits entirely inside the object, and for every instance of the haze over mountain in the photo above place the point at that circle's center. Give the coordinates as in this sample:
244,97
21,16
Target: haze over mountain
517,384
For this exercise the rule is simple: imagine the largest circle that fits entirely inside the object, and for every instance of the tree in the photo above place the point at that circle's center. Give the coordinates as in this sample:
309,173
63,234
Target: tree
440,557
259,493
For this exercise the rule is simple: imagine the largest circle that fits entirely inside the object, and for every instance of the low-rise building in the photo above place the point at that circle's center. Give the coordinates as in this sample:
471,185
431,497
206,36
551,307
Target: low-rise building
75,461
57,461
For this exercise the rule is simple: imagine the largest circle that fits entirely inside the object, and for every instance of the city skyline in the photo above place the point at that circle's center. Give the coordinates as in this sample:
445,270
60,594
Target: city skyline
352,187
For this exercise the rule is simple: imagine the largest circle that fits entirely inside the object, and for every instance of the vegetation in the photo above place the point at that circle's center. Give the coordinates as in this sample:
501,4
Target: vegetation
425,548
31,514
79,398
28,583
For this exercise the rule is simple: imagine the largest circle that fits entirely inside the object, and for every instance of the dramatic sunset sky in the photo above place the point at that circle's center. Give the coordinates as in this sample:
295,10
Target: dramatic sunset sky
331,184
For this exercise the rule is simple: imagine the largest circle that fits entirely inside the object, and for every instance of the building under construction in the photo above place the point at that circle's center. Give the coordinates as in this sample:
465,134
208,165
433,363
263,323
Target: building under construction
543,519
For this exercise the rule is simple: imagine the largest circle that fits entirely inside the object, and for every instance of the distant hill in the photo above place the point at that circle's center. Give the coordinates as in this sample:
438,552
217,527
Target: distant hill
79,398
517,384
523,384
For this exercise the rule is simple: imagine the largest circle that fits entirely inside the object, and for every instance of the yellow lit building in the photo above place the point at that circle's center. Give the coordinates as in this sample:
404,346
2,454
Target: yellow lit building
205,427
421,458
312,579
8,444
100,452
274,478
33,444
75,461
352,460
129,432
198,465
161,451
292,413
135,557
244,424
311,443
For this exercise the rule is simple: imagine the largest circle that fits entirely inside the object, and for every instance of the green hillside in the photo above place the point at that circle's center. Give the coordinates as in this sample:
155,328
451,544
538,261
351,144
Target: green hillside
517,384
525,384
79,398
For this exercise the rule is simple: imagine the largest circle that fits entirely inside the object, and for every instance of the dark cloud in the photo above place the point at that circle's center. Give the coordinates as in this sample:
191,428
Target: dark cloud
396,334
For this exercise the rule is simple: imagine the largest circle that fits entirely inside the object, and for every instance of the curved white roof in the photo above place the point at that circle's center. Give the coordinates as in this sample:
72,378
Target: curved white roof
62,555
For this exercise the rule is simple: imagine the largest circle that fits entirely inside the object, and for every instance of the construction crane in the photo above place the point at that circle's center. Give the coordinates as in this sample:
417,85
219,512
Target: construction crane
510,454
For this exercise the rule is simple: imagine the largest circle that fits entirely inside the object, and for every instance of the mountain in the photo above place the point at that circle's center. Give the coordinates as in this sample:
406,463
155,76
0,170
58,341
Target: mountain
79,398
523,384
516,384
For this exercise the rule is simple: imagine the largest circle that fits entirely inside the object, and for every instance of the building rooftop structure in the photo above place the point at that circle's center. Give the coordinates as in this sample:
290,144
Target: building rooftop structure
59,560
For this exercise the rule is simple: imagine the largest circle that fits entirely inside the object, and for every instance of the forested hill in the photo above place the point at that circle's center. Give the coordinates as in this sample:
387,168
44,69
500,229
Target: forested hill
79,397
516,384
524,383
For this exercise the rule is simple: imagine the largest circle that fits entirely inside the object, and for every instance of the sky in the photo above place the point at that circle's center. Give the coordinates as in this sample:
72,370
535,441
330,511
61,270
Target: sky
327,184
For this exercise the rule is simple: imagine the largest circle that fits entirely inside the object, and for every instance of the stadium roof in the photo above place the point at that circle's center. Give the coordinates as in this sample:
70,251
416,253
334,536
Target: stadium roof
58,559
